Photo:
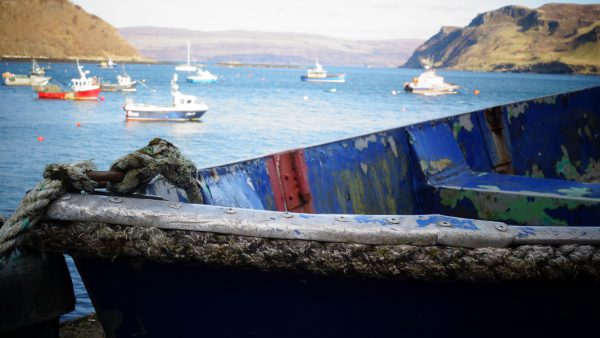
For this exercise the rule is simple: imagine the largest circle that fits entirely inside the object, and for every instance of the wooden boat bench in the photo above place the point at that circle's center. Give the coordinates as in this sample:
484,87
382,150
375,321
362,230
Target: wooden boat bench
456,189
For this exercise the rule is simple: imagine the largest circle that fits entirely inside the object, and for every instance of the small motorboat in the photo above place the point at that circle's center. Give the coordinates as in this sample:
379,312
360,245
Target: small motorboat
11,79
183,108
83,88
187,67
318,74
36,70
124,84
428,83
202,76
107,64
35,78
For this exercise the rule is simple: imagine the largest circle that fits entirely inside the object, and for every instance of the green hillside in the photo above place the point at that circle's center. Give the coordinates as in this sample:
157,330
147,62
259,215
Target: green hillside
57,29
555,38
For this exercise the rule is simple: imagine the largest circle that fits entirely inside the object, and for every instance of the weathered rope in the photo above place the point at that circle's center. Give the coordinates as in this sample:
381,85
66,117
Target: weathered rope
158,157
404,262
58,179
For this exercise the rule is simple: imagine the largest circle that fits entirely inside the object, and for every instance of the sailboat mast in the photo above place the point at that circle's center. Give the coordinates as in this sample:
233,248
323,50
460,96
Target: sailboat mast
188,56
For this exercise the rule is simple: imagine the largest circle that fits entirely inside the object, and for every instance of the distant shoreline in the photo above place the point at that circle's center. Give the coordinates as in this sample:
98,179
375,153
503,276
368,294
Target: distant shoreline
234,64
230,64
9,58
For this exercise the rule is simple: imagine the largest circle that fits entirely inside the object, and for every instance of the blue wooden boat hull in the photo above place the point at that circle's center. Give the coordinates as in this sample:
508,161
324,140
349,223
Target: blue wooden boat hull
134,297
165,116
524,164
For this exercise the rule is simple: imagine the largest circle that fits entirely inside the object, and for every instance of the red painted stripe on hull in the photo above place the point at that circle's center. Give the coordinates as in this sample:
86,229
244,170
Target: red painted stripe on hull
82,95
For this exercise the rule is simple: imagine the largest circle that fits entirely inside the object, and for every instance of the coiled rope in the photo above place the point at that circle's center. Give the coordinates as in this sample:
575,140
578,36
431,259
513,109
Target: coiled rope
158,157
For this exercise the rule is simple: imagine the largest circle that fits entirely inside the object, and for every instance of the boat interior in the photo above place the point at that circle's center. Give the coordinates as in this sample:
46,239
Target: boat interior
500,164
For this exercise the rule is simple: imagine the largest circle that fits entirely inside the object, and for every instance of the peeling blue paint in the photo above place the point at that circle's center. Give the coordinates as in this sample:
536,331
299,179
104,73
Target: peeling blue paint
446,166
459,223
526,232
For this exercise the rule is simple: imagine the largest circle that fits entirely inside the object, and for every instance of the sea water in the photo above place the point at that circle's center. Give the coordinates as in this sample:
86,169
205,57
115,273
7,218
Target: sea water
252,112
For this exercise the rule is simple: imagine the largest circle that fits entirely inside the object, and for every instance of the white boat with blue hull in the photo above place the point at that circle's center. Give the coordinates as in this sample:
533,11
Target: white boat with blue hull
202,76
318,74
183,108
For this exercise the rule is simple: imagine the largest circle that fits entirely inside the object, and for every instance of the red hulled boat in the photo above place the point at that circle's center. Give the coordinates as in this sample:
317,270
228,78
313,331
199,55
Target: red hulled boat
83,88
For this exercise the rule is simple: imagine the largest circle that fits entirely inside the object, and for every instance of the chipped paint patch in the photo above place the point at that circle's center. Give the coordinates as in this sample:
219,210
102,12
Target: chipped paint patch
362,143
565,167
215,175
536,171
464,122
576,192
592,172
489,187
524,208
393,146
588,132
439,165
517,109
547,100
364,167
525,232
460,223
249,183
424,165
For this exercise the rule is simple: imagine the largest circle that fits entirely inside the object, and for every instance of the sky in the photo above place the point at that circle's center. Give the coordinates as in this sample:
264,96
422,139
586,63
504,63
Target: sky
349,19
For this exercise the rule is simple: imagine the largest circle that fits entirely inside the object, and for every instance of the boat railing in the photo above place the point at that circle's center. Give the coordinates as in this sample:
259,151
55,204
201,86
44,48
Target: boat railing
51,88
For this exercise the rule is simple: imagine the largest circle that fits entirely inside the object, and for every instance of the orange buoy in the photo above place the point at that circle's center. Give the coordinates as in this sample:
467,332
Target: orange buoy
78,124
101,98
40,138
476,92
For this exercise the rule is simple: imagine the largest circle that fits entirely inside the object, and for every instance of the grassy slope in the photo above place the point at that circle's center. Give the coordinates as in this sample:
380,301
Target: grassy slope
58,29
552,33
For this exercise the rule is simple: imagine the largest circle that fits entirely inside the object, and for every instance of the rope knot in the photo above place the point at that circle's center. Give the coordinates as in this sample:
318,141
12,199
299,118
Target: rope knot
158,157
72,176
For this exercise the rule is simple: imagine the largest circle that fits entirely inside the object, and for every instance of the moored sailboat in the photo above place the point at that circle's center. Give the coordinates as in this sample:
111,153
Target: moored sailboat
187,67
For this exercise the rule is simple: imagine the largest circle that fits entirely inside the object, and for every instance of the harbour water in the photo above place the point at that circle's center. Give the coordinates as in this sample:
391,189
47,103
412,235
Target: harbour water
252,111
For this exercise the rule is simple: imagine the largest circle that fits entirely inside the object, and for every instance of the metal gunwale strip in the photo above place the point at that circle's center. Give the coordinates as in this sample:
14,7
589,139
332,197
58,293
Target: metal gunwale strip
359,229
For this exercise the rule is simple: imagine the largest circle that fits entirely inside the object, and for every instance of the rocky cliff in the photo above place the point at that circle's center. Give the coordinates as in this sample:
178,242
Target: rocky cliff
554,38
57,29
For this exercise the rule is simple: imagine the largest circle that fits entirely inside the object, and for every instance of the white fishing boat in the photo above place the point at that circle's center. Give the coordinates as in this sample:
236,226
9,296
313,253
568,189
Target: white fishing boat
187,67
318,74
35,78
202,76
36,69
124,84
107,64
11,79
428,83
183,108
